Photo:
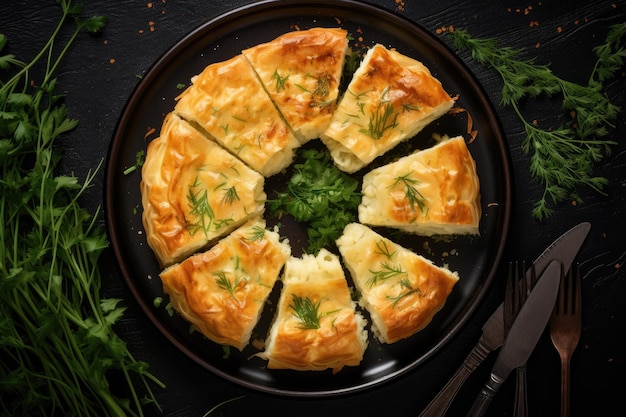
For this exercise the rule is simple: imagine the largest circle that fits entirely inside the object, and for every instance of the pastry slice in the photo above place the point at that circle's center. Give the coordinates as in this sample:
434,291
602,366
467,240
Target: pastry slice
435,191
222,291
316,326
301,71
390,98
193,192
227,101
401,290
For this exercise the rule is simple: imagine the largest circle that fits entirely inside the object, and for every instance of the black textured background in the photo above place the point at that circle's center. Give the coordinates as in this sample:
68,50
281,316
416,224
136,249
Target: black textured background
100,73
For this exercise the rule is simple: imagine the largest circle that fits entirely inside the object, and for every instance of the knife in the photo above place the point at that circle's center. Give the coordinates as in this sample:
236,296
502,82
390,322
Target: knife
523,336
563,249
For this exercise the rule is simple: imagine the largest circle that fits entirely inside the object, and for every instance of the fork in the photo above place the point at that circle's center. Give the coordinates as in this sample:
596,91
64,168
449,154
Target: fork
565,328
516,293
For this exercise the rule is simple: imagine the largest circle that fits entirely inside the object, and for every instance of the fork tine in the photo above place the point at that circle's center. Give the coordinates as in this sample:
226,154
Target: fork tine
533,276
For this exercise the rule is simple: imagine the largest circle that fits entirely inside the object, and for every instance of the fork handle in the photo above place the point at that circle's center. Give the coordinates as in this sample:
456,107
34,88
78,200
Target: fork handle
440,404
521,401
565,382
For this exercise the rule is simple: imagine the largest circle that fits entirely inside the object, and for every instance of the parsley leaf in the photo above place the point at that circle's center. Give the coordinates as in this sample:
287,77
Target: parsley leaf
321,196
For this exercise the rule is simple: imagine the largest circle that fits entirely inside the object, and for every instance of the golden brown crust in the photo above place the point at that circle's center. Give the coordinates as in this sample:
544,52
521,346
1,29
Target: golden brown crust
390,98
444,180
340,339
301,72
401,290
229,103
223,290
182,165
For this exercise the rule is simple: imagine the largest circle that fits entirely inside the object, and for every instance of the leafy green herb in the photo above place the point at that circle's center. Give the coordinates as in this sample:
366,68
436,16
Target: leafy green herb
224,283
321,196
230,195
383,118
140,158
562,158
58,346
256,233
200,207
280,80
198,200
306,311
387,270
406,290
410,107
412,194
382,248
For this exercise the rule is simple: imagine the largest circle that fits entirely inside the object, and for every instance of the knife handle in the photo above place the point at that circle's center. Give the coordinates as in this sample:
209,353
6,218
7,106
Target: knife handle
440,404
485,396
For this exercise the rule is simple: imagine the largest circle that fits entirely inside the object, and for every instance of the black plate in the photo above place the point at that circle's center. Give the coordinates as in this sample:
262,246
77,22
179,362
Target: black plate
475,258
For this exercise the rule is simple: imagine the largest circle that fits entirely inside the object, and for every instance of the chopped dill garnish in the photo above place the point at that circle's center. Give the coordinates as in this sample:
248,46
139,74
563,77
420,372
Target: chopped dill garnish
410,107
230,195
256,233
198,201
387,270
405,284
383,118
323,86
224,283
381,245
412,194
306,311
280,81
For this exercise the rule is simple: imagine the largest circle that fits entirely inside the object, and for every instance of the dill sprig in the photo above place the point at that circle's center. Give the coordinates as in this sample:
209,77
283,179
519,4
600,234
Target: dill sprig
406,289
387,270
280,80
198,200
382,118
224,283
562,158
306,311
383,249
230,195
412,194
256,233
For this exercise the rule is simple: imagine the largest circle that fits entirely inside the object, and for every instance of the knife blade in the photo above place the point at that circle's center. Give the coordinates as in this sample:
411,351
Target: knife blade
523,336
564,250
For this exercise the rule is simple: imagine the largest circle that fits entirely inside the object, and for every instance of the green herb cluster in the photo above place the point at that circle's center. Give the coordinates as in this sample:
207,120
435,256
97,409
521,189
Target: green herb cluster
306,311
58,347
562,158
412,194
321,196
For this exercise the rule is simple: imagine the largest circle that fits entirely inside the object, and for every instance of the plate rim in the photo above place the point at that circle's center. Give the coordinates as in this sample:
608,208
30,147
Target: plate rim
228,17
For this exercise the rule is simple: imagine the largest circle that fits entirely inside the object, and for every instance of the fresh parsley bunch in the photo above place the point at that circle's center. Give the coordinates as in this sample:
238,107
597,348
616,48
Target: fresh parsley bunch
321,196
58,347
